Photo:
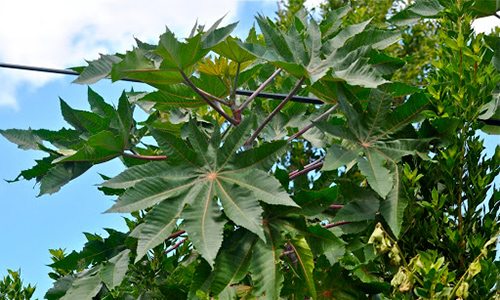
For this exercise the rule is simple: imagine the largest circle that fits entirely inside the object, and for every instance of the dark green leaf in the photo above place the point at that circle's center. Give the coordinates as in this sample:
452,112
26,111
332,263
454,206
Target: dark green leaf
97,69
113,272
233,261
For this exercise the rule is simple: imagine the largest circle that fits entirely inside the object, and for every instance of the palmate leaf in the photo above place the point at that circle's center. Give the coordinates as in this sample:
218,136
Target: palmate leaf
305,263
97,69
84,287
230,49
203,173
113,272
157,226
95,251
60,174
312,51
376,142
266,266
233,261
156,65
418,10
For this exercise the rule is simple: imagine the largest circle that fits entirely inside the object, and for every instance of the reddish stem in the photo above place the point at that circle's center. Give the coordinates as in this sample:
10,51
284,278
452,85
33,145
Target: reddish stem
335,206
145,157
249,142
208,101
312,166
176,245
331,225
311,125
258,90
175,234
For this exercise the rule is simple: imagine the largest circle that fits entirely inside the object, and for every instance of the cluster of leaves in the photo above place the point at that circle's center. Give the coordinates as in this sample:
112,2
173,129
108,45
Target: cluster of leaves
11,287
239,197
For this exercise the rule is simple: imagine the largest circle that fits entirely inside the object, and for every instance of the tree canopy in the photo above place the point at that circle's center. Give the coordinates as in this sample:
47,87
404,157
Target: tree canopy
378,189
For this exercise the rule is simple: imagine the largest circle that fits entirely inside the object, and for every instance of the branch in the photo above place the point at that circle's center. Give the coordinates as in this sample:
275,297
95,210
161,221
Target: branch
145,157
312,166
235,85
202,95
176,245
215,98
175,234
331,225
335,206
273,113
324,115
257,91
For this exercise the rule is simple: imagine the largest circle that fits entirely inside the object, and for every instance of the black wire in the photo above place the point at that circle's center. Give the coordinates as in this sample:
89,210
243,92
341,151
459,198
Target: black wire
309,100
239,92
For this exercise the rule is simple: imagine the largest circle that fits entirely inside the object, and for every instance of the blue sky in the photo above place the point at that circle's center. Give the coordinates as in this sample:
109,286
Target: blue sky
56,33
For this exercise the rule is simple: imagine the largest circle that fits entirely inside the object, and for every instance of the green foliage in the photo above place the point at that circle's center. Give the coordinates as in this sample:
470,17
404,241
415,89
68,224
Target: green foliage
384,191
12,287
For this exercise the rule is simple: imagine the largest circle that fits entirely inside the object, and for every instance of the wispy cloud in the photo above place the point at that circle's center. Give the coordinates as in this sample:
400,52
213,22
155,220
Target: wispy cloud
59,33
486,24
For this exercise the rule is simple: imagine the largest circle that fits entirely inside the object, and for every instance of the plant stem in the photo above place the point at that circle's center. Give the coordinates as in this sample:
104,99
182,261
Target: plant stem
331,225
176,245
335,206
217,99
175,234
324,115
145,157
257,91
312,166
235,84
204,97
454,291
249,142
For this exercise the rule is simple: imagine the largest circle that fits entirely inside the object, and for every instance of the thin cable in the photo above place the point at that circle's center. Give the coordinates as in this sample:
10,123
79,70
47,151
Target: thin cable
309,100
239,92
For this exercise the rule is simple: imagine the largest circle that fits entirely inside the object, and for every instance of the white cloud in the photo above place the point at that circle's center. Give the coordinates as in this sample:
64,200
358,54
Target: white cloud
60,33
313,3
486,24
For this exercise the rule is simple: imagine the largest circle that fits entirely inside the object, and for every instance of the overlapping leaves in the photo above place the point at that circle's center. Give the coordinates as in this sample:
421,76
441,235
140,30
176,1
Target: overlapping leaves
312,50
198,175
98,136
376,138
157,65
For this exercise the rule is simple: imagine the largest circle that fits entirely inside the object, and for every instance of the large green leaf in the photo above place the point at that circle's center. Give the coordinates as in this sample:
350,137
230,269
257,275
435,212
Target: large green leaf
84,287
60,174
177,95
376,141
24,139
99,106
157,226
233,261
84,121
61,286
97,69
418,10
393,207
266,267
96,250
485,8
201,176
98,148
304,50
230,49
304,263
113,272
362,204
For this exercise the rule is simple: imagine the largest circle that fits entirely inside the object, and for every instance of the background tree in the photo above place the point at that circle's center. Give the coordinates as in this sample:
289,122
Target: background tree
383,191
